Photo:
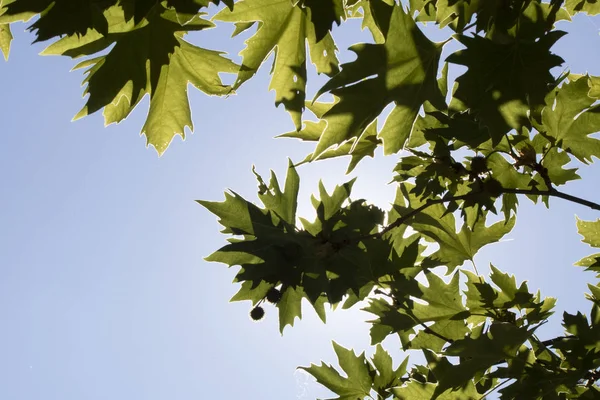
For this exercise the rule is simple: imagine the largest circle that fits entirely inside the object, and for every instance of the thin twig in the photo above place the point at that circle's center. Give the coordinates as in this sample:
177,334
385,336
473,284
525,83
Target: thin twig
551,192
417,320
555,193
494,389
471,25
429,330
551,342
411,214
475,268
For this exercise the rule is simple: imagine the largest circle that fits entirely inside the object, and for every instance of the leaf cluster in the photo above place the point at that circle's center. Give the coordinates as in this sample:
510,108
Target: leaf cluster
508,126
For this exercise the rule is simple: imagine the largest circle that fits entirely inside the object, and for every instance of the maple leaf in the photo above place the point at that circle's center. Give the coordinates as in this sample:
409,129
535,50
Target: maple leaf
510,90
361,377
59,17
284,28
509,178
500,343
282,203
403,70
356,148
443,299
554,161
191,7
455,13
386,376
67,17
154,60
590,231
484,298
358,382
570,117
438,225
272,252
444,308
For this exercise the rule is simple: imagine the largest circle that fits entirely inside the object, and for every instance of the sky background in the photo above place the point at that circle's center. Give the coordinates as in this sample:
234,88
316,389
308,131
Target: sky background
104,293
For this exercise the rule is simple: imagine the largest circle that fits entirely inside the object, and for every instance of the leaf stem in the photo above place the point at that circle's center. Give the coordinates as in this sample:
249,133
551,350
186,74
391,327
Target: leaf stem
427,329
409,312
406,217
552,342
494,389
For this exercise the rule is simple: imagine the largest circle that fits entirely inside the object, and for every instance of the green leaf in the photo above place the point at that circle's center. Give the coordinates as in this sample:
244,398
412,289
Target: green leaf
323,13
483,298
500,343
570,117
357,383
461,127
237,215
456,13
590,230
440,226
444,300
590,7
386,376
402,70
415,390
249,292
522,20
133,68
186,9
509,178
283,204
376,15
444,307
332,203
356,148
284,28
290,307
477,354
594,87
5,40
511,90
82,15
362,376
93,40
59,18
507,284
390,320
554,161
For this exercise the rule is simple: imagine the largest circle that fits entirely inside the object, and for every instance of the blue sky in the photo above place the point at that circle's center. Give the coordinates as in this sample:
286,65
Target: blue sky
103,289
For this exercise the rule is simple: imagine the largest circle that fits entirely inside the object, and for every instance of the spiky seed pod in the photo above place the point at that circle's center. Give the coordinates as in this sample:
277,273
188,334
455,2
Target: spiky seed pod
257,313
273,296
493,187
478,165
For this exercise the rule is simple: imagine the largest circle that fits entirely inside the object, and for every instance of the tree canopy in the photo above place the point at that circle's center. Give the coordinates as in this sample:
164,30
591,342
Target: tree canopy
511,126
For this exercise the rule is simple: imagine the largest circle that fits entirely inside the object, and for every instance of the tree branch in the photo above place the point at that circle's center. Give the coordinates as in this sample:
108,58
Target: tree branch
409,312
552,342
550,192
414,212
555,193
498,386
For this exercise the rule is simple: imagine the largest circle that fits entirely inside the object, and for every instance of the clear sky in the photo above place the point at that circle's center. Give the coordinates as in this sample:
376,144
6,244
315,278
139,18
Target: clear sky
104,293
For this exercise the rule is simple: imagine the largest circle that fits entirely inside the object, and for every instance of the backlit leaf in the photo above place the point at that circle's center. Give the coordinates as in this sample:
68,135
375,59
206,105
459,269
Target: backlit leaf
402,70
284,28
